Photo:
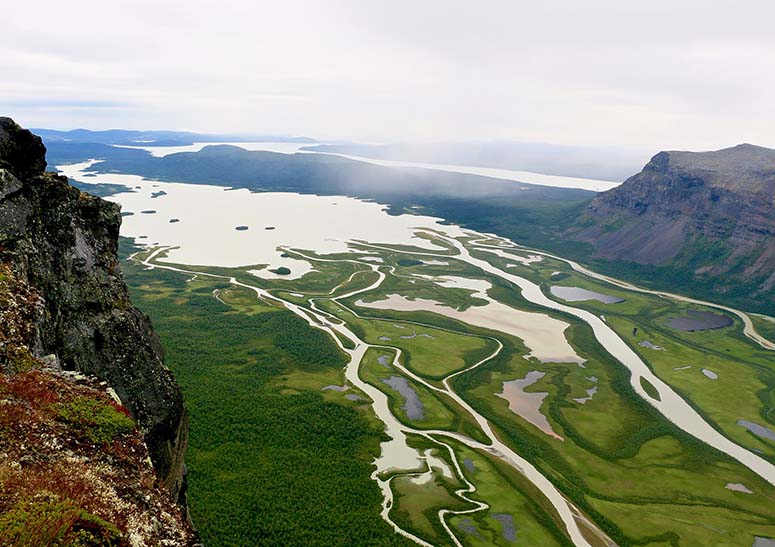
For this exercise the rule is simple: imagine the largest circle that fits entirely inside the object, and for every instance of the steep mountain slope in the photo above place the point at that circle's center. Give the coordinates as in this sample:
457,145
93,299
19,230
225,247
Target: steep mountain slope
710,215
65,305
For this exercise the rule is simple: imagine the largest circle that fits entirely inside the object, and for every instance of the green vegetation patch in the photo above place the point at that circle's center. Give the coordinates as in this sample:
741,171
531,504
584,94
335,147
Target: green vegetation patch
765,325
649,388
272,459
419,496
55,523
98,421
511,498
376,369
721,372
430,352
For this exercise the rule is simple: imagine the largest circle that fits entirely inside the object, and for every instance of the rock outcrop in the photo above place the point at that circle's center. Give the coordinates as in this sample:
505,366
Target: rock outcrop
710,214
75,471
60,244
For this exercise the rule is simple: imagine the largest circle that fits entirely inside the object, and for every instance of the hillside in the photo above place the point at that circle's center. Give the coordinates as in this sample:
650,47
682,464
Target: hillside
707,216
322,174
73,458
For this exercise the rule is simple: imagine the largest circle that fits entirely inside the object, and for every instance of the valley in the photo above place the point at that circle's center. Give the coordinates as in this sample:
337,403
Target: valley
387,274
577,423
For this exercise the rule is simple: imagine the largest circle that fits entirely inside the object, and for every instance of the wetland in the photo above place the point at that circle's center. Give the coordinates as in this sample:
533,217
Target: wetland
459,372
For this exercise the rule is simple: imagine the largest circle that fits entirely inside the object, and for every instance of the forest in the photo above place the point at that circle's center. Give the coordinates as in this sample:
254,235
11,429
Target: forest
267,465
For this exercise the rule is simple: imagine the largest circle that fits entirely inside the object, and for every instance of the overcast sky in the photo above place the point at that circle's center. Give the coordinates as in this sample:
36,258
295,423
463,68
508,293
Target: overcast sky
652,74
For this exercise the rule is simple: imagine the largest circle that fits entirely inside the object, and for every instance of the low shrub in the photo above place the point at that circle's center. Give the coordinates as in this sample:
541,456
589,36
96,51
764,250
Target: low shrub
55,523
99,421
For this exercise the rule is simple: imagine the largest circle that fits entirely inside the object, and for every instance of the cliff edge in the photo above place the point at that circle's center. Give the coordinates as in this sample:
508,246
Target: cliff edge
66,308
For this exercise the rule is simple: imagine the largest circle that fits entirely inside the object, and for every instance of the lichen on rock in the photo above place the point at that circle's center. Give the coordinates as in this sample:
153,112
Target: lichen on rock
74,471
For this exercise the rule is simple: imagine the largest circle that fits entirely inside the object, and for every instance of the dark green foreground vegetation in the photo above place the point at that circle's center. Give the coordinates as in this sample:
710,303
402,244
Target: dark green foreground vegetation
268,464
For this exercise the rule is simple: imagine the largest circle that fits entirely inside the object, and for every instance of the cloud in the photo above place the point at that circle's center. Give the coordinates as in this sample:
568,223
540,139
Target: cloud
55,103
658,74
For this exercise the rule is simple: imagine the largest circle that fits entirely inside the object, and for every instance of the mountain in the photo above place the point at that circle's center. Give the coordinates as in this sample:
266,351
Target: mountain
707,216
526,212
603,163
323,174
69,335
126,137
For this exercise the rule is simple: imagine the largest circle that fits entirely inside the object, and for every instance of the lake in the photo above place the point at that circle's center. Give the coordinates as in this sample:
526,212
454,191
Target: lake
207,217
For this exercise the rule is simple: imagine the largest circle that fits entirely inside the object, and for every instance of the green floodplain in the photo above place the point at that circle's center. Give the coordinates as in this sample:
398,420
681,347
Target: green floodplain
282,444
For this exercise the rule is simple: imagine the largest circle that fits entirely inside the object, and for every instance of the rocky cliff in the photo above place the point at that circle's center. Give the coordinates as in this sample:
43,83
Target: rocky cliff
708,214
66,306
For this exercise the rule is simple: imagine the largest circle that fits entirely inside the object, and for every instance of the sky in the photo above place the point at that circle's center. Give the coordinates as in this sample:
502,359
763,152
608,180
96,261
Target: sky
679,74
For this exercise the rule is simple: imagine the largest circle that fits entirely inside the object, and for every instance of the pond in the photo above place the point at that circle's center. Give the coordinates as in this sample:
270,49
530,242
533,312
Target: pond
758,430
697,320
577,294
528,405
412,404
509,531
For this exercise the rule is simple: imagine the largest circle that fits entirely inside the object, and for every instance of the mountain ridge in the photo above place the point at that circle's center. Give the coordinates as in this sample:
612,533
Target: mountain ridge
128,137
711,214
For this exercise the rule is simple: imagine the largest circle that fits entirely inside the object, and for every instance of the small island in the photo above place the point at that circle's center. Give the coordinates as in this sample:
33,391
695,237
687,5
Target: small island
241,228
126,213
174,220
158,194
269,228
282,270
149,212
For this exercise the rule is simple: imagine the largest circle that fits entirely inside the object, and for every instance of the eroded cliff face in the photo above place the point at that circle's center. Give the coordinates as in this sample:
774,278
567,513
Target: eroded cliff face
59,246
711,214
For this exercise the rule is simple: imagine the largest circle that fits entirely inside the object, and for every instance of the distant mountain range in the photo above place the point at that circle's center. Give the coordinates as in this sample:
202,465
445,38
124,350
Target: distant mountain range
322,174
125,137
709,214
602,163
